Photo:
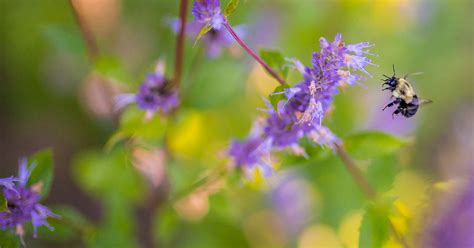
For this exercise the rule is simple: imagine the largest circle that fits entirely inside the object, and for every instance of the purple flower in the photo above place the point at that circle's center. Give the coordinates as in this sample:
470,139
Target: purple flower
302,113
281,131
456,225
155,94
310,99
22,203
208,12
293,201
214,40
249,153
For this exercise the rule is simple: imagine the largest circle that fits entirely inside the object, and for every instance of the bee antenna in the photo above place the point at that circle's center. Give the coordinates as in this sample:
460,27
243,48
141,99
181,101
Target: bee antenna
393,67
385,76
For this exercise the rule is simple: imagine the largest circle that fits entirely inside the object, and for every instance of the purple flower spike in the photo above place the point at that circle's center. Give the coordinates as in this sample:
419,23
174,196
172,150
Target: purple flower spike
307,102
22,203
208,12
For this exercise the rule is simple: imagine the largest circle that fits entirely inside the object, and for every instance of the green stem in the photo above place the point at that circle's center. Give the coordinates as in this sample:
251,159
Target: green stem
365,186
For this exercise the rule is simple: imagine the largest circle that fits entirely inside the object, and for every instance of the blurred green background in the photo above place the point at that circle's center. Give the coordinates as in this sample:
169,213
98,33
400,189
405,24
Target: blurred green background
52,95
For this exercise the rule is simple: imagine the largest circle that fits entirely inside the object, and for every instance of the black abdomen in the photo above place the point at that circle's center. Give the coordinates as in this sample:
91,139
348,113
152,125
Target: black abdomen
410,109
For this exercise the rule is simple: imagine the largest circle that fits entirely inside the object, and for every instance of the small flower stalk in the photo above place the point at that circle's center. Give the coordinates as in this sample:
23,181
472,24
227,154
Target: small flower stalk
300,115
23,203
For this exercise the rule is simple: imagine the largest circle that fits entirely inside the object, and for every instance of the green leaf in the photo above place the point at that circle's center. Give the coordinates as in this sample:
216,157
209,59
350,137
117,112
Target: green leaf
375,227
166,223
231,7
278,95
111,68
117,228
43,170
372,144
8,239
275,60
382,171
3,203
338,191
133,124
72,225
108,175
202,32
65,38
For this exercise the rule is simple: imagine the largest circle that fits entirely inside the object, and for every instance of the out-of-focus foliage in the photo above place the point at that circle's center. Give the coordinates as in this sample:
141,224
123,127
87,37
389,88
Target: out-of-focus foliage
414,164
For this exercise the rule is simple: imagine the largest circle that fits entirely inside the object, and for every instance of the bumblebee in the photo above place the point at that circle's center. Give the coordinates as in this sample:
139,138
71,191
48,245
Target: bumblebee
404,94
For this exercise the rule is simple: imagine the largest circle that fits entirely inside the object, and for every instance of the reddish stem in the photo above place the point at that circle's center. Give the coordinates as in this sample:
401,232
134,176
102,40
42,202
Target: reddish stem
242,43
179,55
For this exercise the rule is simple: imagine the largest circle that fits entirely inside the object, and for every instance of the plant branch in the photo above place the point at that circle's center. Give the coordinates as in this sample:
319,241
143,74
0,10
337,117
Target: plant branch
87,35
179,54
242,43
365,186
351,166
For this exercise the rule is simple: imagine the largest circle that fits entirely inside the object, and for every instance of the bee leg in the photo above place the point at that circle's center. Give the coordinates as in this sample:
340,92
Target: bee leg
397,101
396,112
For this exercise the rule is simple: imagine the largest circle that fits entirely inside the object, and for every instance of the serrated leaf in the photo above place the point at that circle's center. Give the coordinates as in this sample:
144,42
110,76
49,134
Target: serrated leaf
275,60
202,32
43,170
373,144
8,239
231,7
278,95
375,226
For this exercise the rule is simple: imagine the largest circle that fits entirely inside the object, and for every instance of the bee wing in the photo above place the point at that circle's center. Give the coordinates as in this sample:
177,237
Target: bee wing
412,74
423,102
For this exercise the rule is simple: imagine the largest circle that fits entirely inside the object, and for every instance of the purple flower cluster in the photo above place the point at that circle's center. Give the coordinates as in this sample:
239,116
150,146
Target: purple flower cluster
22,203
293,201
215,40
306,104
155,94
455,226
208,12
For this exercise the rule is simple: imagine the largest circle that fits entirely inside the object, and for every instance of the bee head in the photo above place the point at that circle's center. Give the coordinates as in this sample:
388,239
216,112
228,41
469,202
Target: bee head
391,81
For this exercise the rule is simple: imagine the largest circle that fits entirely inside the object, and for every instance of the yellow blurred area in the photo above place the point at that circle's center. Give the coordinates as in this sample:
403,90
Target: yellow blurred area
386,14
201,134
260,81
392,243
449,185
348,232
411,189
188,137
316,236
264,229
